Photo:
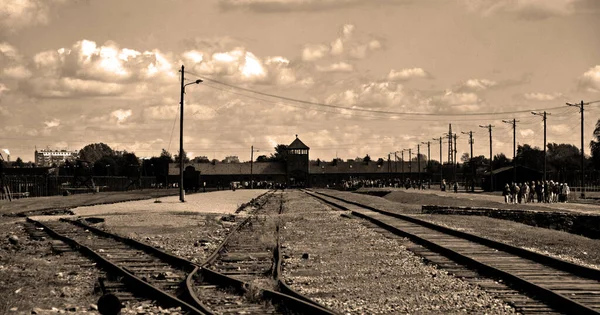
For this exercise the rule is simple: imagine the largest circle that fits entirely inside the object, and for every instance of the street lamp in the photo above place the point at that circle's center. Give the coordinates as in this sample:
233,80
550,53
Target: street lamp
181,158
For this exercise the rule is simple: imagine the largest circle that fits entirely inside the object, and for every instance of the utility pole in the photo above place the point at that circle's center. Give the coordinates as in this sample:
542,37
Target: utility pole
181,157
470,133
181,152
410,164
402,166
396,163
428,143
419,162
544,118
580,105
489,128
251,165
389,165
441,162
514,127
455,162
450,159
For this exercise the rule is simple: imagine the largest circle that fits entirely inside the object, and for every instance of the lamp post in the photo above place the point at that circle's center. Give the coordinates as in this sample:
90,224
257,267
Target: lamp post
181,157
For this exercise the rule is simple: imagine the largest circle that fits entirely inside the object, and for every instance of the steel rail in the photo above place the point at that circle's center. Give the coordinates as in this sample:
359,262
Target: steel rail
556,300
129,279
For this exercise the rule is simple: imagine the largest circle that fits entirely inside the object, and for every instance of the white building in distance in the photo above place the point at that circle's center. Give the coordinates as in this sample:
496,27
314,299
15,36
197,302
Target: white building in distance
49,157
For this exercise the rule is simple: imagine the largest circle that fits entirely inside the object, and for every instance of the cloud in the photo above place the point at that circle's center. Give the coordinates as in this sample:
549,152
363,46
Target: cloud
3,88
52,123
239,65
336,67
17,72
378,95
121,115
542,96
22,13
407,74
590,80
267,6
314,52
526,9
526,132
70,88
456,101
475,85
560,128
344,46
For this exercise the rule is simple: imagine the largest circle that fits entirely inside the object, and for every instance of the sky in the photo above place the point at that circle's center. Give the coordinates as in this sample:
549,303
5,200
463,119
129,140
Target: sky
349,77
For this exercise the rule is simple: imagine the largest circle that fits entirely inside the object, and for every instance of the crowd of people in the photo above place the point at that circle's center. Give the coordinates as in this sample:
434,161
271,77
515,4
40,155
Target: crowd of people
540,191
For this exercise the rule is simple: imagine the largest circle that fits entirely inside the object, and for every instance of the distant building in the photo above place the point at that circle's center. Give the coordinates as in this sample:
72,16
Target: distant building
49,157
297,170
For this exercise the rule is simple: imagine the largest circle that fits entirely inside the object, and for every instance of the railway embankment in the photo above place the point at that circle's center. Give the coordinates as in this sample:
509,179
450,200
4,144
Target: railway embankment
587,225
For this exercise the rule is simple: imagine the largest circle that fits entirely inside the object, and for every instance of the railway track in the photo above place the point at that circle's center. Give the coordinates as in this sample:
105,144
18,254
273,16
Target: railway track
249,257
554,284
215,287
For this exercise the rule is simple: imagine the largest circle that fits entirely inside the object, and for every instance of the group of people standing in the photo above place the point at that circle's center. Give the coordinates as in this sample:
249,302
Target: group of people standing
540,191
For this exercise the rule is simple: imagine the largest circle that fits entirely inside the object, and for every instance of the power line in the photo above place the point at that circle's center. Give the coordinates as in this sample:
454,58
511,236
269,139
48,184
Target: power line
362,109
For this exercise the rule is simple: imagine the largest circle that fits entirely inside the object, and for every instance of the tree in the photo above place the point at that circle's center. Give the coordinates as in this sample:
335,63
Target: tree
530,157
500,160
106,166
262,158
595,146
367,159
18,163
380,161
128,164
563,157
94,152
166,156
185,157
201,159
465,157
280,153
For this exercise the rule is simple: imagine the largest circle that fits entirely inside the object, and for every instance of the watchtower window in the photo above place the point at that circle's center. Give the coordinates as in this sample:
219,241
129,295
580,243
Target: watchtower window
298,151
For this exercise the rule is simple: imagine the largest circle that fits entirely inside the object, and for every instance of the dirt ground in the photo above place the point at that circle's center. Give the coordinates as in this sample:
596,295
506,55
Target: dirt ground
352,269
39,204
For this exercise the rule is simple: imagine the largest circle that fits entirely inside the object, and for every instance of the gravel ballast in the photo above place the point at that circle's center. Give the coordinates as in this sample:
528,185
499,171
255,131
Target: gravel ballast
355,270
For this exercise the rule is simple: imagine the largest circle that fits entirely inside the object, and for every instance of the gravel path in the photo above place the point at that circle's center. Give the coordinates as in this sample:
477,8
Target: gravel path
353,269
215,202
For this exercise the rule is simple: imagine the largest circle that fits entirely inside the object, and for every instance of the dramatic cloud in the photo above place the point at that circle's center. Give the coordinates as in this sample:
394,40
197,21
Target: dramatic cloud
241,66
299,5
542,96
336,67
590,80
528,9
407,74
15,14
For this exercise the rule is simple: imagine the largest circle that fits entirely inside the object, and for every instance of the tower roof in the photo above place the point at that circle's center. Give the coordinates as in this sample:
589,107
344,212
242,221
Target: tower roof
297,144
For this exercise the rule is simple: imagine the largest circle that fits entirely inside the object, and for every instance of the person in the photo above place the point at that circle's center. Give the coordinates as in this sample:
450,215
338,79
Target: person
455,187
567,192
506,193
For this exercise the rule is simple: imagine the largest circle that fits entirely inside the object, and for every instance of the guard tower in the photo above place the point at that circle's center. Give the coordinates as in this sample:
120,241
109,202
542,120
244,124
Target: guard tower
297,164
